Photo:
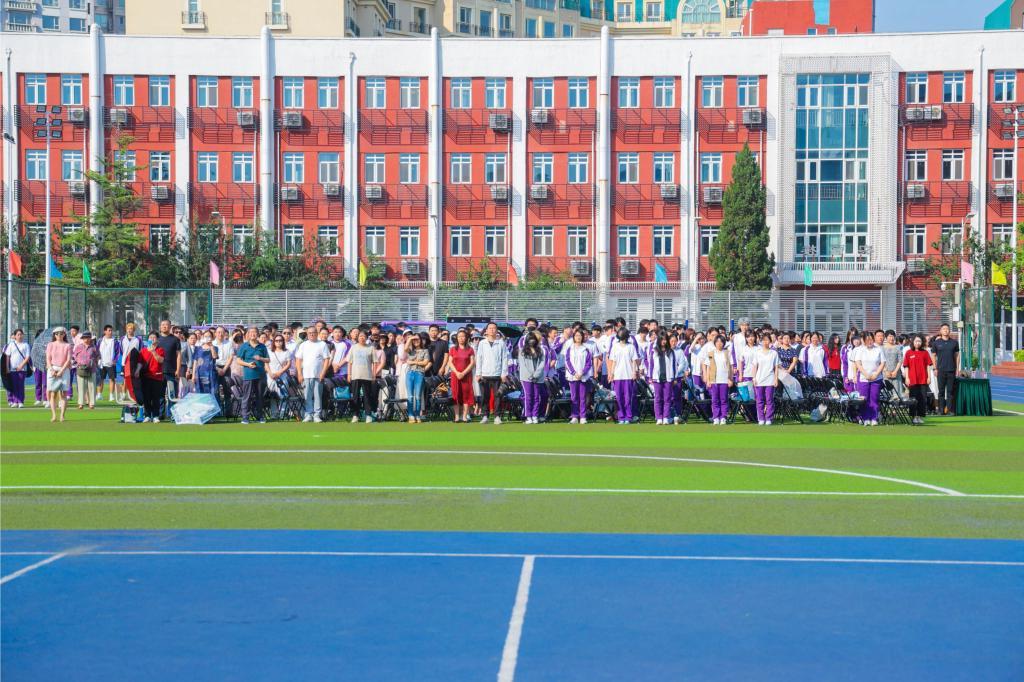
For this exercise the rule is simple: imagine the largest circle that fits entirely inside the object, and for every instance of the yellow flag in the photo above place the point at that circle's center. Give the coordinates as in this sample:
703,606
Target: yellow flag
362,274
998,276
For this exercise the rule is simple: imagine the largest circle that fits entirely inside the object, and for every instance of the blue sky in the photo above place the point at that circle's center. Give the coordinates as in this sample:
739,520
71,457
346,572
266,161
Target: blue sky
931,15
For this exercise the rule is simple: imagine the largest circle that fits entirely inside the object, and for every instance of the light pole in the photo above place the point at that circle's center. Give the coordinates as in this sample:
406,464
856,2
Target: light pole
1015,197
49,127
224,242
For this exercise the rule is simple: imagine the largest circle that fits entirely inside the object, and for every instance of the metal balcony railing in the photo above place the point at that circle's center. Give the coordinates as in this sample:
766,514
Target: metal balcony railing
394,25
547,5
647,125
20,5
950,198
278,20
193,19
353,27
419,27
1001,196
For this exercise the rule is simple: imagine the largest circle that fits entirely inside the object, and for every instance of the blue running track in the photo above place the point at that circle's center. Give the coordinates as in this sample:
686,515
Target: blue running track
1008,389
339,605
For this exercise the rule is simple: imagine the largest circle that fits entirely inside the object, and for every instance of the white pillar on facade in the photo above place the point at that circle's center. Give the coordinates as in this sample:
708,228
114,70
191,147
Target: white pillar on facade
96,116
602,225
350,251
435,231
519,175
266,133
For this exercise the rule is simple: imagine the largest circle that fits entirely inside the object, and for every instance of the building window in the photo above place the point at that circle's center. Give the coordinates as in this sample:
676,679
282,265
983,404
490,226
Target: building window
952,164
917,165
543,241
1002,164
494,168
664,167
68,230
531,27
459,241
747,91
461,169
628,240
461,93
126,160
76,25
1002,234
241,92
549,29
159,166
466,20
577,241
543,168
702,12
663,236
124,91
159,91
71,165
71,89
35,88
567,30
624,11
629,93
708,234
579,162
292,239
914,240
505,25
294,170
485,23
629,167
953,87
159,238
242,167
711,92
917,88
373,169
327,239
375,98
664,92
327,93
206,166
243,239
579,93
543,93
951,238
328,168
711,168
652,11
409,93
1004,86
494,241
291,92
206,91
35,234
373,241
409,242
409,169
35,164
494,93
51,22
812,31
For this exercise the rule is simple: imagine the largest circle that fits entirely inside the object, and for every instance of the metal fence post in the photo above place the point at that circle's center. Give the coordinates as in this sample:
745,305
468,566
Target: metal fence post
506,305
286,315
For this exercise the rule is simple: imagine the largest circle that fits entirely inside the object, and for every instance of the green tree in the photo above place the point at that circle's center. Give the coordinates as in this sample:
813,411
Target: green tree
740,253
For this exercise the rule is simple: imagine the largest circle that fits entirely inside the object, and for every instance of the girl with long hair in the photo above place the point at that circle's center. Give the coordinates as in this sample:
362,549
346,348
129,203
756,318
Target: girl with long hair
58,372
718,373
623,363
579,367
765,372
533,360
460,361
661,371
417,362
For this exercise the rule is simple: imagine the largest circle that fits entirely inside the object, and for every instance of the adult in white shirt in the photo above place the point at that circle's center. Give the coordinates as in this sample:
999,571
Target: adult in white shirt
491,368
108,349
19,354
813,357
739,341
312,362
623,364
870,361
764,363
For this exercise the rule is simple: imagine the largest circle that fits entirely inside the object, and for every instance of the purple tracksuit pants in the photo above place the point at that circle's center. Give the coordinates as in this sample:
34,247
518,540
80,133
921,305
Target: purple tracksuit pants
17,396
719,401
764,396
870,392
39,379
531,398
663,391
625,391
578,399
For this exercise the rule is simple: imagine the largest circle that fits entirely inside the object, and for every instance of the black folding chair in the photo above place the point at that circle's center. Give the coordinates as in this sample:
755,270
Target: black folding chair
644,399
391,408
559,402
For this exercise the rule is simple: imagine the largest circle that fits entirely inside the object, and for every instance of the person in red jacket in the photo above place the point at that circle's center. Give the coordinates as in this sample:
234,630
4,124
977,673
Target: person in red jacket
918,363
153,383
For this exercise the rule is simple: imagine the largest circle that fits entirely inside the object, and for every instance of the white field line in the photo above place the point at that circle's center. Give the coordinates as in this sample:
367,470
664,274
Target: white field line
652,458
497,489
28,569
515,555
1001,411
509,655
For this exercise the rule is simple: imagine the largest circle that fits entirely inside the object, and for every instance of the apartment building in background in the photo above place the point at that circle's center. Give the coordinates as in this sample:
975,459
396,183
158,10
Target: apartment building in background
1009,14
62,16
500,18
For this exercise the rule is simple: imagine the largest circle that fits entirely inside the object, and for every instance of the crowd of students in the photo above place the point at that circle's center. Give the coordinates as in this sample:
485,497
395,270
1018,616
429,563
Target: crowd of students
478,367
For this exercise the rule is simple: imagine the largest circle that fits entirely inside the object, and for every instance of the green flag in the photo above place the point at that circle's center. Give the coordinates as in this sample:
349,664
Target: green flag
86,277
808,275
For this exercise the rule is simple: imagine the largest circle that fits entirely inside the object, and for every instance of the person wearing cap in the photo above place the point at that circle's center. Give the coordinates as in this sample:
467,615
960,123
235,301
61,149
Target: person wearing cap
87,357
58,372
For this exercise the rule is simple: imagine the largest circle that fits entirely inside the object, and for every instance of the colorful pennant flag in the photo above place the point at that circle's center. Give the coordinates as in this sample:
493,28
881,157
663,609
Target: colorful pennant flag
362,274
14,264
55,272
966,272
808,275
660,274
998,275
86,275
513,276
214,274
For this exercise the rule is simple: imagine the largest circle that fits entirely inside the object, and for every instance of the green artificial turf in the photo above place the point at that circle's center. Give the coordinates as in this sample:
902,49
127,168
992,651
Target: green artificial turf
968,455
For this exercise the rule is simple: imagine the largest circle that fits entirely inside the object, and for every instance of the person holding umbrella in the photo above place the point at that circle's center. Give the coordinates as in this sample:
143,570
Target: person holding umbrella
58,372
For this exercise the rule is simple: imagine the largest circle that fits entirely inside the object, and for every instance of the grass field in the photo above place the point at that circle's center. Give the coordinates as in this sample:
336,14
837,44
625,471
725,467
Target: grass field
957,477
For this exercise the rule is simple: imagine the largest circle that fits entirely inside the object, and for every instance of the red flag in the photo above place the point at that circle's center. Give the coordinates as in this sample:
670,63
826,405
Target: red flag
513,276
15,264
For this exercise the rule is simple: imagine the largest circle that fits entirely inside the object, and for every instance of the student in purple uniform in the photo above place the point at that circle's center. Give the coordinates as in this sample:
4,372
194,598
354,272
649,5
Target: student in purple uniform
870,361
39,379
765,371
533,360
718,373
852,341
661,371
19,356
623,363
579,367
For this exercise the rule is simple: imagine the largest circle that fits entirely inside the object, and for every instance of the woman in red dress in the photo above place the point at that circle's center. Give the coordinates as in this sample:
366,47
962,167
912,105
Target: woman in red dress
461,361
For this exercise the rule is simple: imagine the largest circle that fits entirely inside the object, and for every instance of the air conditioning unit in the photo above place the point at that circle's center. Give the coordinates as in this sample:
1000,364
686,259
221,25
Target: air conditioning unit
77,115
160,192
538,191
290,193
118,117
712,195
410,267
916,266
499,192
753,117
1004,190
246,118
332,189
629,267
291,119
77,188
933,113
669,191
498,122
916,192
579,268
915,113
538,115
374,192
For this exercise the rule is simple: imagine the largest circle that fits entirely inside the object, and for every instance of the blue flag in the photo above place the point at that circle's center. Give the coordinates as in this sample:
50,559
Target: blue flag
660,275
55,272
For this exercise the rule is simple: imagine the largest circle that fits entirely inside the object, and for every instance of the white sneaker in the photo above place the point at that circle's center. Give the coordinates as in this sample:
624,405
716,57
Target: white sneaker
146,420
874,422
768,423
583,420
483,420
355,419
156,420
760,423
497,420
317,420
308,418
574,420
369,419
675,420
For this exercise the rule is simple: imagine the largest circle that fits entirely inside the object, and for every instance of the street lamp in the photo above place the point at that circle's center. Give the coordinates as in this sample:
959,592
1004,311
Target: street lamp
964,225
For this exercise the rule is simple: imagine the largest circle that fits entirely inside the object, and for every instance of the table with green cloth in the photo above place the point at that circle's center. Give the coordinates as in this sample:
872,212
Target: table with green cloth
973,397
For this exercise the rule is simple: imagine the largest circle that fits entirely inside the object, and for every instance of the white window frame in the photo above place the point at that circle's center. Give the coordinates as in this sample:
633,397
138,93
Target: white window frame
495,168
243,168
495,241
1002,165
293,168
127,159
629,92
206,92
664,92
375,241
159,166
123,88
159,239
409,242
711,92
748,91
36,166
35,88
460,167
293,92
542,241
711,168
327,240
159,91
578,241
1004,86
328,168
917,165
956,81
915,240
543,168
543,90
628,168
292,238
460,241
409,168
579,93
327,93
243,239
409,92
72,165
460,93
627,241
207,166
708,235
917,88
376,92
71,89
664,171
578,168
241,92
663,240
952,165
373,169
494,93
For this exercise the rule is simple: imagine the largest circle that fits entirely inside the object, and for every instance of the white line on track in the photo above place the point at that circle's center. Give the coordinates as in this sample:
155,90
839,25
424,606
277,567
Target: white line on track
653,458
514,555
509,655
28,569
